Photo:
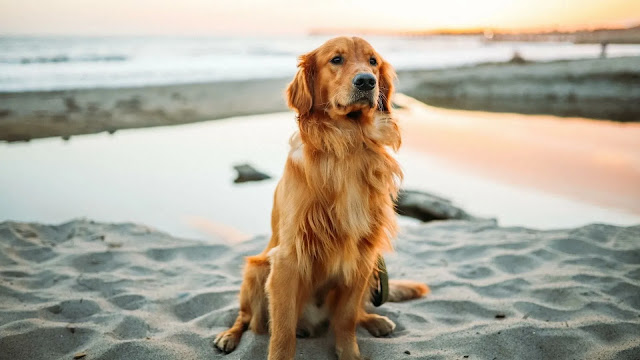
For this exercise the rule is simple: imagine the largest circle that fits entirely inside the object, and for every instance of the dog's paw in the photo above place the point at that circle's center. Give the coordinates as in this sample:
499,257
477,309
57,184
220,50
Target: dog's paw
226,341
378,326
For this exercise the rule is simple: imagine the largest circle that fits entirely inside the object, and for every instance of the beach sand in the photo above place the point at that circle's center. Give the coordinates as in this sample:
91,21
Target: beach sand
29,115
593,88
127,291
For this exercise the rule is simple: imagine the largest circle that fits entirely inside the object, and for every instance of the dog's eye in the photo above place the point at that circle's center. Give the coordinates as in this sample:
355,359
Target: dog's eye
337,60
373,61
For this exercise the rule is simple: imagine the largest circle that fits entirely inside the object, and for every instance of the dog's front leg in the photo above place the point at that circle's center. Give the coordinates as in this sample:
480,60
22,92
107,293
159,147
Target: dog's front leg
286,298
348,300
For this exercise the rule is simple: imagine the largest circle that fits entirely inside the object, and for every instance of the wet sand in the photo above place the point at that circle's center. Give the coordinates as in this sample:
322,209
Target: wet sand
31,115
594,88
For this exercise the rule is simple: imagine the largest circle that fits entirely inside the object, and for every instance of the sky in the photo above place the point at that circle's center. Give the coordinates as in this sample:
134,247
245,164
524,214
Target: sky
204,17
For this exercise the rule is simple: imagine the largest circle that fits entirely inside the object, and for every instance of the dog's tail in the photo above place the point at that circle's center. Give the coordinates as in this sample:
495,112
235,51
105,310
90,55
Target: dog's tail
402,290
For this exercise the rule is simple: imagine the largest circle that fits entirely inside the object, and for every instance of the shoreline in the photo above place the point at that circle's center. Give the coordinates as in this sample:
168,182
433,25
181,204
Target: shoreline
591,88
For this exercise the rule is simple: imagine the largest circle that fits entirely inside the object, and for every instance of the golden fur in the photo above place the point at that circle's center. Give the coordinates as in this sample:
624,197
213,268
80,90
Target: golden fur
333,210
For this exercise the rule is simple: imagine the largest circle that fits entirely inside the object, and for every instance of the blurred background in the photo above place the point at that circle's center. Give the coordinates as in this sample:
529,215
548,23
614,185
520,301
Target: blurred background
525,111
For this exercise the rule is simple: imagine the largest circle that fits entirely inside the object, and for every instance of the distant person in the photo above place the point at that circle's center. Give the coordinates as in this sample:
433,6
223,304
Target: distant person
603,49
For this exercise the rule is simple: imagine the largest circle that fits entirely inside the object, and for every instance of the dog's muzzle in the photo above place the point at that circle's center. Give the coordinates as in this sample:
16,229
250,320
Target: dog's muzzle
364,85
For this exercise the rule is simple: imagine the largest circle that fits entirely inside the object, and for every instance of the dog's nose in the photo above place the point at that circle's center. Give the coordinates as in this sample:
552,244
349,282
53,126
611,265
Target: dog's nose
364,81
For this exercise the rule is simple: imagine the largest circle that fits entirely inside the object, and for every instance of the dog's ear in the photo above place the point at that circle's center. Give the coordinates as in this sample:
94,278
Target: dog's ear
300,91
387,76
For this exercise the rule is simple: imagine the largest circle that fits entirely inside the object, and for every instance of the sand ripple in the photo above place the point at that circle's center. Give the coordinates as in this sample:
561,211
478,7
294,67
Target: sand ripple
125,291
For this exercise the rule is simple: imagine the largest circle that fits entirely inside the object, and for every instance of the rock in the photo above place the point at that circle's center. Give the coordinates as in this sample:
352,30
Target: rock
427,207
247,173
517,59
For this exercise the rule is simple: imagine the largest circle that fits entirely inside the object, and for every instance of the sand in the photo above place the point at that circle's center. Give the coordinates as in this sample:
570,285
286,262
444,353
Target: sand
127,291
593,88
30,115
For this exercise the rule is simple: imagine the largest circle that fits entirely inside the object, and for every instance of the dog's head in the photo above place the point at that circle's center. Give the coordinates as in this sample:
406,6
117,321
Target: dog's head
345,77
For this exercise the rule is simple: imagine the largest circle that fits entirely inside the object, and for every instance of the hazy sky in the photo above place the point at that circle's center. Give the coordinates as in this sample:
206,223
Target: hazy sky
290,16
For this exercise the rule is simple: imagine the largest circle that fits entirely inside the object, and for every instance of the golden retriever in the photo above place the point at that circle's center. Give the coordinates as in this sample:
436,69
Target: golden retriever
333,211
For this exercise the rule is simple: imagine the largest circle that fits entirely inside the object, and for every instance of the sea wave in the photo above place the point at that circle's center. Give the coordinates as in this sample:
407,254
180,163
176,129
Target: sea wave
63,59
57,63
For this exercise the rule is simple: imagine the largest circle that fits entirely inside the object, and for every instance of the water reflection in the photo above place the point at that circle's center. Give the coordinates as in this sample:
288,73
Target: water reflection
180,179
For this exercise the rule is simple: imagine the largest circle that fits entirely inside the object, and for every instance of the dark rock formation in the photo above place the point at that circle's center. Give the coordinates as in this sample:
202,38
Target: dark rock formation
247,173
427,207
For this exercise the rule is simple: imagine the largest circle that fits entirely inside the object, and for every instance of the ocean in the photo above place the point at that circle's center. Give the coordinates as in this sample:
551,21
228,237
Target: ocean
58,63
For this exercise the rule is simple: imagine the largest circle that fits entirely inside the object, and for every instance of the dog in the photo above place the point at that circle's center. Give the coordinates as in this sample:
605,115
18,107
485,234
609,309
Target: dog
333,210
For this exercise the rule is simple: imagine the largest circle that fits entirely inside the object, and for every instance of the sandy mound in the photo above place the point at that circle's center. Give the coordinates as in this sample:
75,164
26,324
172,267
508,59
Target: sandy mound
125,291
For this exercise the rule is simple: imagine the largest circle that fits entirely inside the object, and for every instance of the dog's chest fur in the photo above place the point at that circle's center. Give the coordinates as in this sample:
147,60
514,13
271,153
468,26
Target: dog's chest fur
348,206
342,189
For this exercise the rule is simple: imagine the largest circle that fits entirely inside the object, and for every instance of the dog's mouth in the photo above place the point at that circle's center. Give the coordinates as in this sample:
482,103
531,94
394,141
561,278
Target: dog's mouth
355,107
354,115
353,112
362,99
357,104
